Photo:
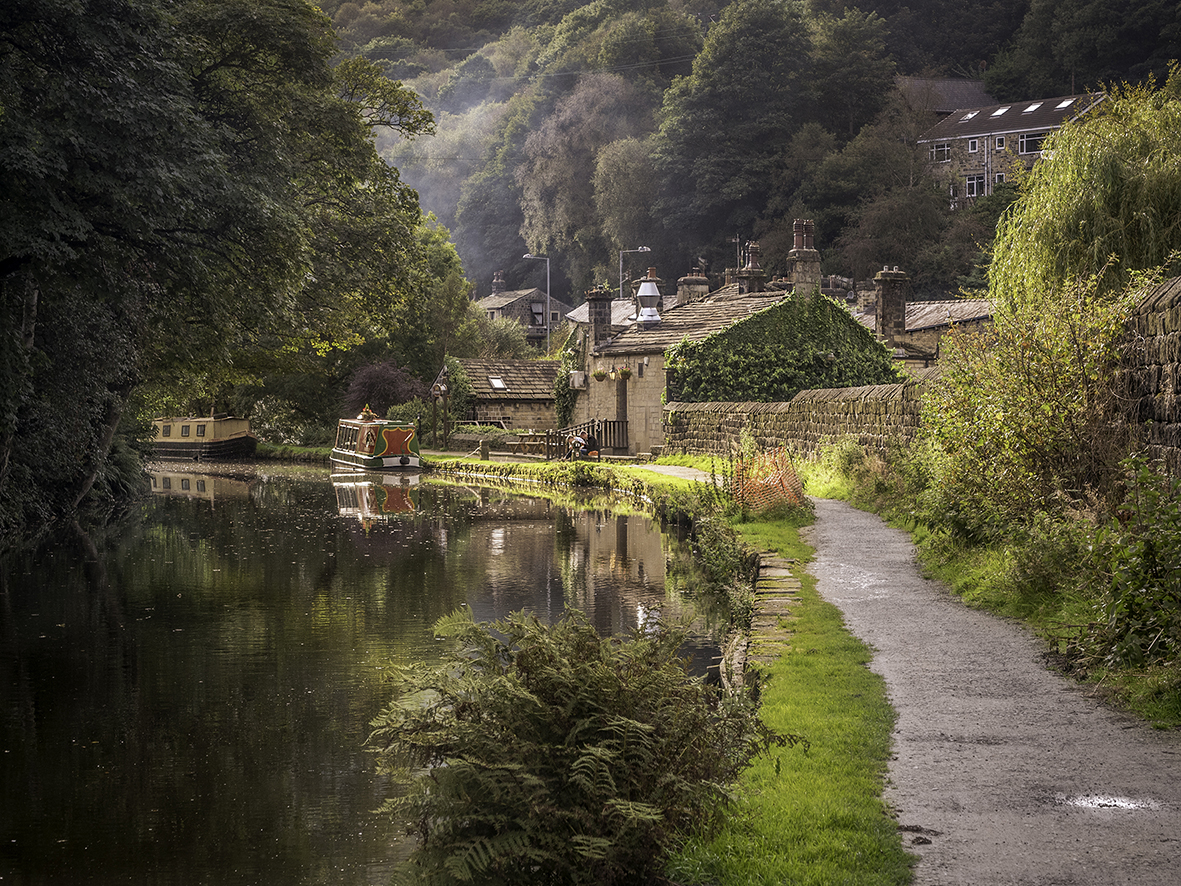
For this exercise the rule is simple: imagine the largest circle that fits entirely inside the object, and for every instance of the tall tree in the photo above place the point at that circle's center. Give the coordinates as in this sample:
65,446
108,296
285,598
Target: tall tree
726,125
184,174
556,177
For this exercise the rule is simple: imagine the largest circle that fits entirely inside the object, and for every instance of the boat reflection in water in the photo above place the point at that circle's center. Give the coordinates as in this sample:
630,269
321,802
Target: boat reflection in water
369,496
189,484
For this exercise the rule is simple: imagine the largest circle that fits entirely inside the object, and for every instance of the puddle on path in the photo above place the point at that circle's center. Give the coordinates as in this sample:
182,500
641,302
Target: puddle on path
1106,801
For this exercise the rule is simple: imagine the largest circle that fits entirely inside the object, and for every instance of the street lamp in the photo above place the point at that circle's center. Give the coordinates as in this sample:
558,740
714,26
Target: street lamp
544,258
622,252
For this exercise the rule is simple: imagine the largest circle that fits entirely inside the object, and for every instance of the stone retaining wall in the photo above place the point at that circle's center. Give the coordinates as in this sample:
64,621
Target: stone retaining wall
1150,378
875,416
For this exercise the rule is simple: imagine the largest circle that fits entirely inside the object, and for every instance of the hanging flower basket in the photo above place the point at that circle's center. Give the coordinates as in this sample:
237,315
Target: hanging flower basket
599,374
625,373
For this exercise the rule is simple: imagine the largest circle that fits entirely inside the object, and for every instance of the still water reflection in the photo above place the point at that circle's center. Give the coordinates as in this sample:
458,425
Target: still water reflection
185,700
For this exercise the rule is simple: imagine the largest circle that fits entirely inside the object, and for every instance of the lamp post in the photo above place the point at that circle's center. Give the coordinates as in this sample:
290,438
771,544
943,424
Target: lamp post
623,252
544,258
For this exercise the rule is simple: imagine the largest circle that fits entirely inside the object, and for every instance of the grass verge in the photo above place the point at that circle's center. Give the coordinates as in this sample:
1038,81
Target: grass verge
814,816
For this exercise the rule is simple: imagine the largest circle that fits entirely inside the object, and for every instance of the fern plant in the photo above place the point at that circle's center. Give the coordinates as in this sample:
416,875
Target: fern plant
550,755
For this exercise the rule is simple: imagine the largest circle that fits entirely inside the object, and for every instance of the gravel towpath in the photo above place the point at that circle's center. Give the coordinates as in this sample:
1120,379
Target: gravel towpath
1004,772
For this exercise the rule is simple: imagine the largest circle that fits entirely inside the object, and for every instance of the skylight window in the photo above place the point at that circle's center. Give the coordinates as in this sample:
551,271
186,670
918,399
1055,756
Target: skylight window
1032,108
497,383
1065,103
968,116
1000,111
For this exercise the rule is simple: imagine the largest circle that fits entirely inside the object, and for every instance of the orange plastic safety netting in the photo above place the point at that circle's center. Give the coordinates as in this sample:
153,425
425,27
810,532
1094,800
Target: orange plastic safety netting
767,481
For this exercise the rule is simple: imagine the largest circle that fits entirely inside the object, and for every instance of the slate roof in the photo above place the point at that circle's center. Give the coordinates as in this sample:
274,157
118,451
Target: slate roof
523,379
943,95
1023,116
621,310
694,321
498,300
933,314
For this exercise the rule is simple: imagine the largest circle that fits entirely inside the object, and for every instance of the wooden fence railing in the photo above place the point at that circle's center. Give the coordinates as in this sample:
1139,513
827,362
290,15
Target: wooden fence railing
612,437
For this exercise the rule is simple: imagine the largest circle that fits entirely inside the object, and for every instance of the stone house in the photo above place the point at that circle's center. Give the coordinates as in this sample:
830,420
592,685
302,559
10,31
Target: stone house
514,394
975,149
526,306
623,379
913,329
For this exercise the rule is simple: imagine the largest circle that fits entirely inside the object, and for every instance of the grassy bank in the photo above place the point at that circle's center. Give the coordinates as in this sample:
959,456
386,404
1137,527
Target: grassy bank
814,816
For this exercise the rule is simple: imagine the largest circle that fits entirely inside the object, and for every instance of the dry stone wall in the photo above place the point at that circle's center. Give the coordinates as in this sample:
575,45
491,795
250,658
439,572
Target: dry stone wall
1150,377
876,416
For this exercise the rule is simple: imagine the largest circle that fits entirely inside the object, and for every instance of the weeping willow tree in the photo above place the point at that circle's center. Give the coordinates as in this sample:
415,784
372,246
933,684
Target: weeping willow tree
1022,421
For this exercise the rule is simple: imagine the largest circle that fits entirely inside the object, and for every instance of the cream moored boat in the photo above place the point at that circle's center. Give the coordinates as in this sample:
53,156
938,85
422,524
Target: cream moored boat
212,436
375,444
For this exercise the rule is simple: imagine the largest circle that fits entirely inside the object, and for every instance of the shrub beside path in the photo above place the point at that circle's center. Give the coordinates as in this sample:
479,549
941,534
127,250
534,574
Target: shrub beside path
1004,771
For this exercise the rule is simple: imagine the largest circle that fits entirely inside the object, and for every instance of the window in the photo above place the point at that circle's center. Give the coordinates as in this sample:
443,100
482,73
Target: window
975,186
553,317
999,178
1031,142
184,430
1000,111
200,485
1032,108
973,145
166,431
184,483
640,370
1000,142
200,430
166,483
497,383
1064,104
968,116
941,153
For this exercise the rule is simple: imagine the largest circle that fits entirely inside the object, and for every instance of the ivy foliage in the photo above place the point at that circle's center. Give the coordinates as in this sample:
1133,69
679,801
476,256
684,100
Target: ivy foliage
550,755
564,395
806,341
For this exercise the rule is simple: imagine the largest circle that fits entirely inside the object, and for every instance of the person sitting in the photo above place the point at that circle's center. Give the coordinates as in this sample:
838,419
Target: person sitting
577,445
592,447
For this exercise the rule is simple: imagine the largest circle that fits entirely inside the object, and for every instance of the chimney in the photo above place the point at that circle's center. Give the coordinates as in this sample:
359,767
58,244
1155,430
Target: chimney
804,259
752,278
893,290
498,282
694,286
648,296
598,303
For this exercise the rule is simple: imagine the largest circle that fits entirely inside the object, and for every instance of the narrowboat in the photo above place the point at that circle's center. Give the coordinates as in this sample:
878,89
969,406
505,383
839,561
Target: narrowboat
375,444
218,436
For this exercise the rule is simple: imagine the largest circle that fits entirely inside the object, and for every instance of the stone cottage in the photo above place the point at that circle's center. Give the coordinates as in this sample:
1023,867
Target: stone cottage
512,393
526,306
624,377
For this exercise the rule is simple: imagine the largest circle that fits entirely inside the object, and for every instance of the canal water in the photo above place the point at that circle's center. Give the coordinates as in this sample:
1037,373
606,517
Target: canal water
186,697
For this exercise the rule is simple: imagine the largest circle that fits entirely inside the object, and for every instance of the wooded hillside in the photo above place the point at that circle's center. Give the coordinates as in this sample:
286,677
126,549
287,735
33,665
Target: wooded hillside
576,129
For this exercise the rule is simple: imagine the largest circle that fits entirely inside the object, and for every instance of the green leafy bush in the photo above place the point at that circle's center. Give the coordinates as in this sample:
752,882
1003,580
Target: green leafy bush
1137,565
549,755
